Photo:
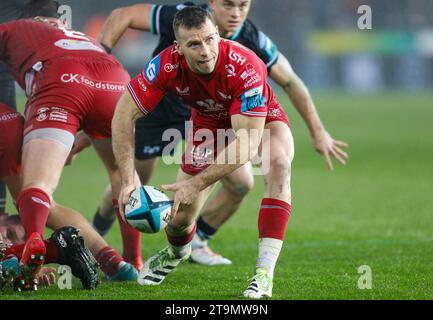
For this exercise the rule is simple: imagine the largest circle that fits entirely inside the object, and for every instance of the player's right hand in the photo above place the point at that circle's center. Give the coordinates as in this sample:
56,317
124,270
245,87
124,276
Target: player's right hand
125,193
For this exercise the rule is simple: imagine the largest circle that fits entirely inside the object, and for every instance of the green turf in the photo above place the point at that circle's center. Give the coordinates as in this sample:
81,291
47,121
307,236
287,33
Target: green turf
376,211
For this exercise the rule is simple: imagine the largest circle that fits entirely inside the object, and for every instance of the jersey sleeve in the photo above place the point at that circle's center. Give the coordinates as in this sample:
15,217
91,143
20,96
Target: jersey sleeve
268,51
250,91
259,42
145,88
162,16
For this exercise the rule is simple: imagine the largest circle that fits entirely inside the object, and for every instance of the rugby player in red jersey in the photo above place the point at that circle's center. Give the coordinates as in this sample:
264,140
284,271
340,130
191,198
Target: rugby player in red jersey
71,84
231,18
65,245
226,86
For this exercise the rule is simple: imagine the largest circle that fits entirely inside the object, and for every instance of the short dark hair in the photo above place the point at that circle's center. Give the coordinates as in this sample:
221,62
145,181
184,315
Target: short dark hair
189,18
43,8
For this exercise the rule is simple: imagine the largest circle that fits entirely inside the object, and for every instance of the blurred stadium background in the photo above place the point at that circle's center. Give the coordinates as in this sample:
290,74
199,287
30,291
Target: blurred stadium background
320,38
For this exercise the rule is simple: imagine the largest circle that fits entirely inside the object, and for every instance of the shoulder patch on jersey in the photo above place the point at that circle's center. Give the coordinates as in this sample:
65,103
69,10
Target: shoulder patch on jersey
152,69
252,99
237,57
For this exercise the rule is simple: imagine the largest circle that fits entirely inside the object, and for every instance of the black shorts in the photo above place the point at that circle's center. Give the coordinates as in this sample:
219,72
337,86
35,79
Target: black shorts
171,117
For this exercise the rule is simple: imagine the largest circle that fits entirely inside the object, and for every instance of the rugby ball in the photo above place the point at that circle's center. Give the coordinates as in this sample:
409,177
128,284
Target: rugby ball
148,210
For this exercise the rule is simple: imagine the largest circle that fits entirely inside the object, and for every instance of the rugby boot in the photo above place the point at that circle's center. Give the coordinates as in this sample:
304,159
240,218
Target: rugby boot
74,253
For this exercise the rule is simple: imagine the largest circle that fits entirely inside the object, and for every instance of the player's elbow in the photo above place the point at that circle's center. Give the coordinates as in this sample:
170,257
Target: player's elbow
121,16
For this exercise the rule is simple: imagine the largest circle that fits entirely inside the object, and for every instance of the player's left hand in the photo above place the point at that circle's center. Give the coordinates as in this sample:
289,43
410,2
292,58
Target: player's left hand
185,193
328,147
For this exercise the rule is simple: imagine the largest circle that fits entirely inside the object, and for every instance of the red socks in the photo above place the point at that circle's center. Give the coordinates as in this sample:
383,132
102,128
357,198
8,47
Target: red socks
52,255
131,239
109,260
34,207
273,217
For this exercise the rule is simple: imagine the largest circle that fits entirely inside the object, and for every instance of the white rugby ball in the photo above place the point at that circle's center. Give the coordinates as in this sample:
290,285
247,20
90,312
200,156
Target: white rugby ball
148,210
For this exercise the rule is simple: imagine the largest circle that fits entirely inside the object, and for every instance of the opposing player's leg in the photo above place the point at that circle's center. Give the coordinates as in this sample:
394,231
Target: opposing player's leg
217,211
131,238
275,208
180,232
105,215
111,263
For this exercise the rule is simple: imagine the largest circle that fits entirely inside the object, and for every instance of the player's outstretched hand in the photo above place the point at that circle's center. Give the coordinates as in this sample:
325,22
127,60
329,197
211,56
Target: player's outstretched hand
328,147
185,193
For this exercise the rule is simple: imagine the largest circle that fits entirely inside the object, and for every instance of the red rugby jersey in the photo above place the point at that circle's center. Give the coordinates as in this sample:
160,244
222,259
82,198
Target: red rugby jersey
238,85
25,42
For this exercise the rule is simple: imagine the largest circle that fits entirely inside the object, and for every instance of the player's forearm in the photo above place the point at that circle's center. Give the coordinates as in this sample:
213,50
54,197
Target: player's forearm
226,162
114,27
123,142
303,102
135,17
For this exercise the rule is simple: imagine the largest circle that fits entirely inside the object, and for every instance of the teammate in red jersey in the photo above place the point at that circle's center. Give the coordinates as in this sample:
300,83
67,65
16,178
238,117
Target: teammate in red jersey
226,86
12,232
71,84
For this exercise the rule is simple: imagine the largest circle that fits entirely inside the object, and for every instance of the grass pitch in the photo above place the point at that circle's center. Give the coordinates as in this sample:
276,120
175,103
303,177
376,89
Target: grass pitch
376,211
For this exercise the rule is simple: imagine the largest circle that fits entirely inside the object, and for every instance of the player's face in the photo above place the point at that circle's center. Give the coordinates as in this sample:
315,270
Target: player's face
200,47
12,231
229,15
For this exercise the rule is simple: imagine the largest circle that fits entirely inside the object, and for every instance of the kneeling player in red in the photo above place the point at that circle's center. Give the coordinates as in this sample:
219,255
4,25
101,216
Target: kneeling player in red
65,246
226,86
71,84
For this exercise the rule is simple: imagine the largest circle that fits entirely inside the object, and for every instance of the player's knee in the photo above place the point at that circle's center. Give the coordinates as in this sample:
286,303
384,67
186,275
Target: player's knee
179,226
280,167
239,187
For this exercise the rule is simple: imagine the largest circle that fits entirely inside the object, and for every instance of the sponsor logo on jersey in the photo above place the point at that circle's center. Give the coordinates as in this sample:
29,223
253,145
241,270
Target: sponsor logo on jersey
249,72
52,114
237,57
224,96
42,115
210,106
182,92
275,112
69,44
150,150
95,84
252,80
152,69
168,67
252,99
9,116
141,83
58,114
230,69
